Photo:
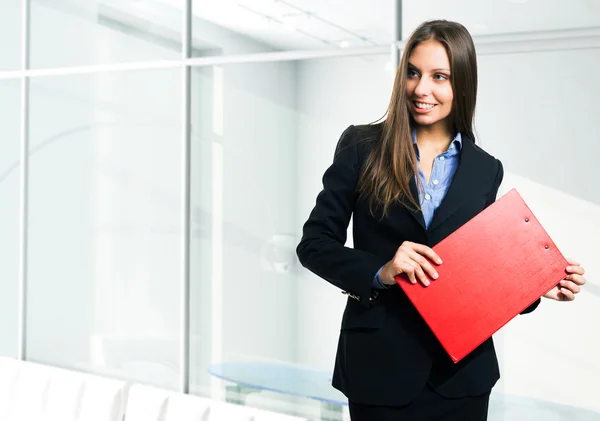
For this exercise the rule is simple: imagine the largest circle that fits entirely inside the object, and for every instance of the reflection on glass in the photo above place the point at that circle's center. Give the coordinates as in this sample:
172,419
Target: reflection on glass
9,214
87,32
104,226
263,134
10,35
231,27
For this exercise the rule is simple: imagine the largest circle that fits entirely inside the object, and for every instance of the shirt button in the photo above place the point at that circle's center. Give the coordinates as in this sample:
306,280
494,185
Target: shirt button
427,196
435,182
442,158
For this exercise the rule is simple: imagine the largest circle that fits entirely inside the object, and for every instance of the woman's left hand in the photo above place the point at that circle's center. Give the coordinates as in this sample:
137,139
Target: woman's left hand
570,285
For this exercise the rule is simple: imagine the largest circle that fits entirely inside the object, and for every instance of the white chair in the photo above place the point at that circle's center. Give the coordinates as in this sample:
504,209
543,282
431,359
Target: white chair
146,403
30,391
9,369
102,400
187,408
65,393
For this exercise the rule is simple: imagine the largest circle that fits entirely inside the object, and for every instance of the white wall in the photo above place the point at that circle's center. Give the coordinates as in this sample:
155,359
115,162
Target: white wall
535,113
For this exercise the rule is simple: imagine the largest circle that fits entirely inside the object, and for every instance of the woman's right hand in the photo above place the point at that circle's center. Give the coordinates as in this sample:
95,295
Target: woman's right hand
410,258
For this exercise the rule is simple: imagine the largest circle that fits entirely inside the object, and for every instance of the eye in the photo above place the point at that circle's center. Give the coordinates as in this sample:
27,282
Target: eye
412,73
439,76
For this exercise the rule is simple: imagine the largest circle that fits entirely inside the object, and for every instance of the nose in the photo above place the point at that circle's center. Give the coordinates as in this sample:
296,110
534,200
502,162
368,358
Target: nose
423,88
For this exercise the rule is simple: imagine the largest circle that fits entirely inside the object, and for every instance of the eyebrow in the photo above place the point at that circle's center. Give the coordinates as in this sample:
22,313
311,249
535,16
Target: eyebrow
433,70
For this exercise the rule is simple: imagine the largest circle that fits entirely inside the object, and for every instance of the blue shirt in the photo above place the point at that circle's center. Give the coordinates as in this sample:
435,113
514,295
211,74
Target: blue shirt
442,173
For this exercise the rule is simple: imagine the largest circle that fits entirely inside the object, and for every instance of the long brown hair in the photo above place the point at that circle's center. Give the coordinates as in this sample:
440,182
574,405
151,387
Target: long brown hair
392,162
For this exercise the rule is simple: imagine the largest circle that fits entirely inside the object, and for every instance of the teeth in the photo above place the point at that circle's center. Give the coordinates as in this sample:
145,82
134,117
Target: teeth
424,106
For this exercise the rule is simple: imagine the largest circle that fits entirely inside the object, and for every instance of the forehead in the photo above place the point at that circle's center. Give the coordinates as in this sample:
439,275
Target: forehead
429,55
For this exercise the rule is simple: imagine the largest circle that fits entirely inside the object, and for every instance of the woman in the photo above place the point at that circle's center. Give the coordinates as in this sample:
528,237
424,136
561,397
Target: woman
409,182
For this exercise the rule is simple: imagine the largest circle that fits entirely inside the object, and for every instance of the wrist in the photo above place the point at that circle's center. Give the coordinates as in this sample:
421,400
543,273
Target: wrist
385,278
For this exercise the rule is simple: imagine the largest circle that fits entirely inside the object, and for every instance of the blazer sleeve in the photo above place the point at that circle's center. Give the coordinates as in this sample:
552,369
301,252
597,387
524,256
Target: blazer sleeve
321,249
492,199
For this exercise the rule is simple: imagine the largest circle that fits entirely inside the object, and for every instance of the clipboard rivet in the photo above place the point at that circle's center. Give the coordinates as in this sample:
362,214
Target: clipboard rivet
526,219
547,247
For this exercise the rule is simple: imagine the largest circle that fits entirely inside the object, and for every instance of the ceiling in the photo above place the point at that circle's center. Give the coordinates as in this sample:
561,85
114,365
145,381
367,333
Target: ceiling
313,24
316,24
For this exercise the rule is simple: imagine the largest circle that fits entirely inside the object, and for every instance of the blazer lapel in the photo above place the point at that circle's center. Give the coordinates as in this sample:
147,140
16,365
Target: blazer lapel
416,213
464,183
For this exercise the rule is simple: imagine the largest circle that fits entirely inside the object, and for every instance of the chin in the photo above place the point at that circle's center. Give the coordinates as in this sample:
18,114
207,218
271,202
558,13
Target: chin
425,120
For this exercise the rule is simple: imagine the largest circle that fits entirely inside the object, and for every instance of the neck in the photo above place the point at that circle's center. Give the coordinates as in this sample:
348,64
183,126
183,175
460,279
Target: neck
437,136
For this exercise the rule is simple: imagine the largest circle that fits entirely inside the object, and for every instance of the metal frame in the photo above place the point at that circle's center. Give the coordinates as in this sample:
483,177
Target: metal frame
24,183
198,62
186,105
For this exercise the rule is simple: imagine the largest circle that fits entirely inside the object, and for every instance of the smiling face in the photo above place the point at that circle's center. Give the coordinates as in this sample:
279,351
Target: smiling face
428,87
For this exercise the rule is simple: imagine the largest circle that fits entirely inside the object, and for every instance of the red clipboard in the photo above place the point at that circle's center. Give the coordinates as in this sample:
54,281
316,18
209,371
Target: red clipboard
494,267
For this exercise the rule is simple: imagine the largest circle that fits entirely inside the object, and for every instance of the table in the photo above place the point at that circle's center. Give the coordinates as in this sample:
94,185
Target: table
289,379
294,380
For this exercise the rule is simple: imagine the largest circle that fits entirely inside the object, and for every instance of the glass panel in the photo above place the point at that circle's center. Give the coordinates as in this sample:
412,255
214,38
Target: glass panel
87,32
10,103
503,16
10,35
105,220
259,152
231,27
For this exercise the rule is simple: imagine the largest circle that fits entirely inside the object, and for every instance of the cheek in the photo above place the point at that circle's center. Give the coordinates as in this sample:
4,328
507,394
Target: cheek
446,95
410,88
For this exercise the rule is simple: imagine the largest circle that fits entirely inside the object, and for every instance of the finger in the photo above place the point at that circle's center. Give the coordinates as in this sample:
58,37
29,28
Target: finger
571,286
572,261
424,264
428,252
409,270
420,274
566,295
578,279
575,269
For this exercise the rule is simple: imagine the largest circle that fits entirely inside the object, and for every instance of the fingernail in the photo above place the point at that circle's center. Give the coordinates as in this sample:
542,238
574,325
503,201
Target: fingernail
435,275
569,268
563,282
426,283
439,261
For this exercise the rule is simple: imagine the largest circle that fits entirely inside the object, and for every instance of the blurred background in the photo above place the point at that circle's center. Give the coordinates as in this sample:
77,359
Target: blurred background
111,100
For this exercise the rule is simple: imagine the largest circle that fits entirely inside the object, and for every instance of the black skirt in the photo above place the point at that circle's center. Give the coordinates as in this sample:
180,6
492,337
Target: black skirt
428,406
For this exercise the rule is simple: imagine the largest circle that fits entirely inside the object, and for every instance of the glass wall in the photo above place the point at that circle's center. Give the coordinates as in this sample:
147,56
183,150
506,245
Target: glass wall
265,132
105,223
94,32
10,41
105,238
10,101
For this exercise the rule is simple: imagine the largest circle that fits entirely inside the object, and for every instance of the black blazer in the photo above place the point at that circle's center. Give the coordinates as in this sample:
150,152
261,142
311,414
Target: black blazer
386,353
